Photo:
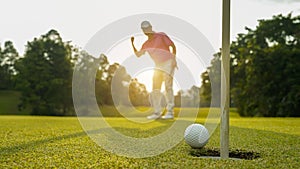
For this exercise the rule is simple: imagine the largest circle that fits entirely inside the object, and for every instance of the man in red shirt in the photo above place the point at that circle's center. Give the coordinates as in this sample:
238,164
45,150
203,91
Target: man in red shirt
158,46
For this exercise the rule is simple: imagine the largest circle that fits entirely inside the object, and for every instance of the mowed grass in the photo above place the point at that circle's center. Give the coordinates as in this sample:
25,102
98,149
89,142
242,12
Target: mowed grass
60,142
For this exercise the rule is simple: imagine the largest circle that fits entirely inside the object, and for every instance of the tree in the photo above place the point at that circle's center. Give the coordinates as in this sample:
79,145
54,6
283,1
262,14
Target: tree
8,58
120,86
44,75
265,68
114,86
102,86
138,93
211,83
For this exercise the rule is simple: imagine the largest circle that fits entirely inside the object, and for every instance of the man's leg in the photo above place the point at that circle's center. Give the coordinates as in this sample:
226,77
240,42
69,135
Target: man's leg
168,78
156,96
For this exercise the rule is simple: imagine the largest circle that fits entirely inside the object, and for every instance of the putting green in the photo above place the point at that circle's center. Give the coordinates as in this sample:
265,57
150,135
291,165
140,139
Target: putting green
60,142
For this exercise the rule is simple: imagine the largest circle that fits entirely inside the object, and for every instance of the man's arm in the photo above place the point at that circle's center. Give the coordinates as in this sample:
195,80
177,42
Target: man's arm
136,52
173,49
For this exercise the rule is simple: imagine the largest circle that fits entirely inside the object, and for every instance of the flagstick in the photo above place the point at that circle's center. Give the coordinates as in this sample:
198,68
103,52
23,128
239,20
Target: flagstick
225,81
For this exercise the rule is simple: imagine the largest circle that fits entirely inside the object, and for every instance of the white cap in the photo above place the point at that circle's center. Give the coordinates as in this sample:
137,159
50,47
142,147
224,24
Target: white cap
145,24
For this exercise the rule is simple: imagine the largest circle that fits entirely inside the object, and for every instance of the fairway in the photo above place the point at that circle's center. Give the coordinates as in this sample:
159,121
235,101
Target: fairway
60,142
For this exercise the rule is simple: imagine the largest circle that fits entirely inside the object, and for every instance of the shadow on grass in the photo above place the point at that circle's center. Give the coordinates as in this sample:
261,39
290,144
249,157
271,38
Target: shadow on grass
262,141
31,145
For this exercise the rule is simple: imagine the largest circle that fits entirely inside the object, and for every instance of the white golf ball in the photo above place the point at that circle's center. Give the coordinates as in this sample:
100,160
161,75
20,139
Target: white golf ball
196,135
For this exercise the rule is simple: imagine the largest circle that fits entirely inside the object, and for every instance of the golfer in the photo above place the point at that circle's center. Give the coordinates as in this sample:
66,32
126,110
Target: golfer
162,51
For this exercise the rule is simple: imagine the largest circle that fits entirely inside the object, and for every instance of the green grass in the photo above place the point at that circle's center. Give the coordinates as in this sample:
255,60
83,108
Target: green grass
60,142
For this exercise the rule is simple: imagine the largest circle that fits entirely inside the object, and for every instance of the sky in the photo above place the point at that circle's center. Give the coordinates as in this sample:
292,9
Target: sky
78,21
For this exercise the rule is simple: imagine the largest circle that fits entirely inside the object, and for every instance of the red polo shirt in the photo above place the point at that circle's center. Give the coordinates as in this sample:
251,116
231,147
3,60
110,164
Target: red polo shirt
158,47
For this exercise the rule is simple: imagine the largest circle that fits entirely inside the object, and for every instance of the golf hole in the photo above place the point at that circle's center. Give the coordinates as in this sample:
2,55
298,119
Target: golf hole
233,154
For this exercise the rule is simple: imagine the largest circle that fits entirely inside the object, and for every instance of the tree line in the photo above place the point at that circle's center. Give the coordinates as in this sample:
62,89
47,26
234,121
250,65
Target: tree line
44,73
264,69
264,72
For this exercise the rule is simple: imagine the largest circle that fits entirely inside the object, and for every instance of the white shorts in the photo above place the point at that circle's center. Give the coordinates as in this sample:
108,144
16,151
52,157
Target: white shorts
167,67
